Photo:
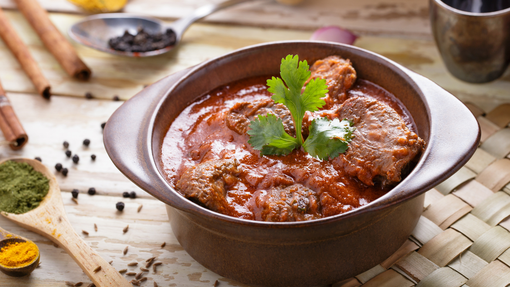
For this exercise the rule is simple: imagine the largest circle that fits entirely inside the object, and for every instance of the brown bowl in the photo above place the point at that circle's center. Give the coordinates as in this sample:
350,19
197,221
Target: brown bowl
292,253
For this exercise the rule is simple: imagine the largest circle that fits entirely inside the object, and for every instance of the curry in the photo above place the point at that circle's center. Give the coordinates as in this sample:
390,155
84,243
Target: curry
207,156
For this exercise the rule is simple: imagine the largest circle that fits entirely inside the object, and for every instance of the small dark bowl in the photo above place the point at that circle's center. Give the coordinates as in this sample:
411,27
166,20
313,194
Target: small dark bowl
292,253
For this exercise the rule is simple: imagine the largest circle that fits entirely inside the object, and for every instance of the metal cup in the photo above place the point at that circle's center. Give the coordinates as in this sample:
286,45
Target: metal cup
475,46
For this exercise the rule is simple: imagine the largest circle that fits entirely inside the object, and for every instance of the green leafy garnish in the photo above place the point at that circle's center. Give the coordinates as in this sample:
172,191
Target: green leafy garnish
327,139
268,136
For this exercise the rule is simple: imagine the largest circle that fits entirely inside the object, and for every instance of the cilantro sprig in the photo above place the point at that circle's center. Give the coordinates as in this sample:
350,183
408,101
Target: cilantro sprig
326,139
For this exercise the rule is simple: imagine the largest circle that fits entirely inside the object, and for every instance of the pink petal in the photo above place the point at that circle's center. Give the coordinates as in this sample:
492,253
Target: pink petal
334,34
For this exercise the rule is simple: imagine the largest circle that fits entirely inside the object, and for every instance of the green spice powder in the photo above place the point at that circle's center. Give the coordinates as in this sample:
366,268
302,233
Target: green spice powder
21,187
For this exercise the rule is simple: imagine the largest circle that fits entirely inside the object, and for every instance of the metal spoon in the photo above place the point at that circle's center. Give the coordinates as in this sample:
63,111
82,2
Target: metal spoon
95,31
5,239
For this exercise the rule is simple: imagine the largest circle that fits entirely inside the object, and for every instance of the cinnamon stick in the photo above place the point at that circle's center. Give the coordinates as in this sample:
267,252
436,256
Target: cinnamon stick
54,41
21,52
9,123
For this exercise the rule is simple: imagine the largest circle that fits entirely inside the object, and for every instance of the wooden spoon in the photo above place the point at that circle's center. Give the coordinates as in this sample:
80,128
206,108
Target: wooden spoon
50,221
6,238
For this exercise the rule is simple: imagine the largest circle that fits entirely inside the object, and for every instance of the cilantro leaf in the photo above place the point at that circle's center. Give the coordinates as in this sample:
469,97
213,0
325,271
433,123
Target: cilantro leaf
268,135
295,74
327,139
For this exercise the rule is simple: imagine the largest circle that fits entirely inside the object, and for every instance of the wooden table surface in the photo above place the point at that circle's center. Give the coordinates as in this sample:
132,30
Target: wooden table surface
397,29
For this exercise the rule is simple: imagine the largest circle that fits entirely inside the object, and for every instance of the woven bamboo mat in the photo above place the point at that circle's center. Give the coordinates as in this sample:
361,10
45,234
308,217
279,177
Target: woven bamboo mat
463,236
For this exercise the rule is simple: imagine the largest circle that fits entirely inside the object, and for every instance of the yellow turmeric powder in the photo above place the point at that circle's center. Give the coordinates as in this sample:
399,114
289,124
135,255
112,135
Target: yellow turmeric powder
100,5
18,254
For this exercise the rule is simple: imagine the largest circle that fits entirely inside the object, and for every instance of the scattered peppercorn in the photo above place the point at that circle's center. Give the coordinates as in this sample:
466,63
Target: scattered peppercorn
65,171
86,142
76,158
120,206
75,193
92,191
116,98
58,166
88,95
103,124
66,144
38,158
93,156
132,194
68,153
125,194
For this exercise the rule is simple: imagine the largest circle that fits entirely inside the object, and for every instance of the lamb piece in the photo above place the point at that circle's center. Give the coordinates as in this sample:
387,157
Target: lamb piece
382,145
292,203
239,116
207,183
339,75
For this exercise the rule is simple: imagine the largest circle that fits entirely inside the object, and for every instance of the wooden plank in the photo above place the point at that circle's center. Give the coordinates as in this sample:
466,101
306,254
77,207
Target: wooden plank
391,17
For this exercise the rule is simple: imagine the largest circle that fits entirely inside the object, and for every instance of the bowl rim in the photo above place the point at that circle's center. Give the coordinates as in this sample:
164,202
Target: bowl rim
366,209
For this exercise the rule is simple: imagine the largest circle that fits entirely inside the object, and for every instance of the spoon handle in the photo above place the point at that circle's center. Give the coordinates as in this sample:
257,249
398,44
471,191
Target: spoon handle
3,234
182,24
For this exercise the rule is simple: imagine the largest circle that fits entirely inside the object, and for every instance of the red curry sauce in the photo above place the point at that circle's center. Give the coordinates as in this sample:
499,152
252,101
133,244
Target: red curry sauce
199,134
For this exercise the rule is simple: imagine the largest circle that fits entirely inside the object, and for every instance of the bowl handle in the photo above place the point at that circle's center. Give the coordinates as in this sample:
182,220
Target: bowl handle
454,137
125,138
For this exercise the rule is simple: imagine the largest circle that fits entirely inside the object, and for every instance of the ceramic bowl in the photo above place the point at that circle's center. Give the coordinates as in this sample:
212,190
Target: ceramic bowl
307,253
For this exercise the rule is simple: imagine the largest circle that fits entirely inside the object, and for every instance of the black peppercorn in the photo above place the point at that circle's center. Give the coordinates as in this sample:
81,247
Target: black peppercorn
88,95
65,171
103,124
116,98
68,153
58,166
86,142
38,158
66,144
75,193
132,194
125,194
76,158
120,206
93,156
92,191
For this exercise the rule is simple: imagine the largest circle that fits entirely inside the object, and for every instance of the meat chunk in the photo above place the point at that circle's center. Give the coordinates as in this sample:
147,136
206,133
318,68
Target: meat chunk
339,75
239,116
207,183
292,203
382,144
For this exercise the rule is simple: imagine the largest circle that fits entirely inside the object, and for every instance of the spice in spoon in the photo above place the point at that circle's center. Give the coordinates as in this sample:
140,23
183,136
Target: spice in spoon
21,187
143,41
18,254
